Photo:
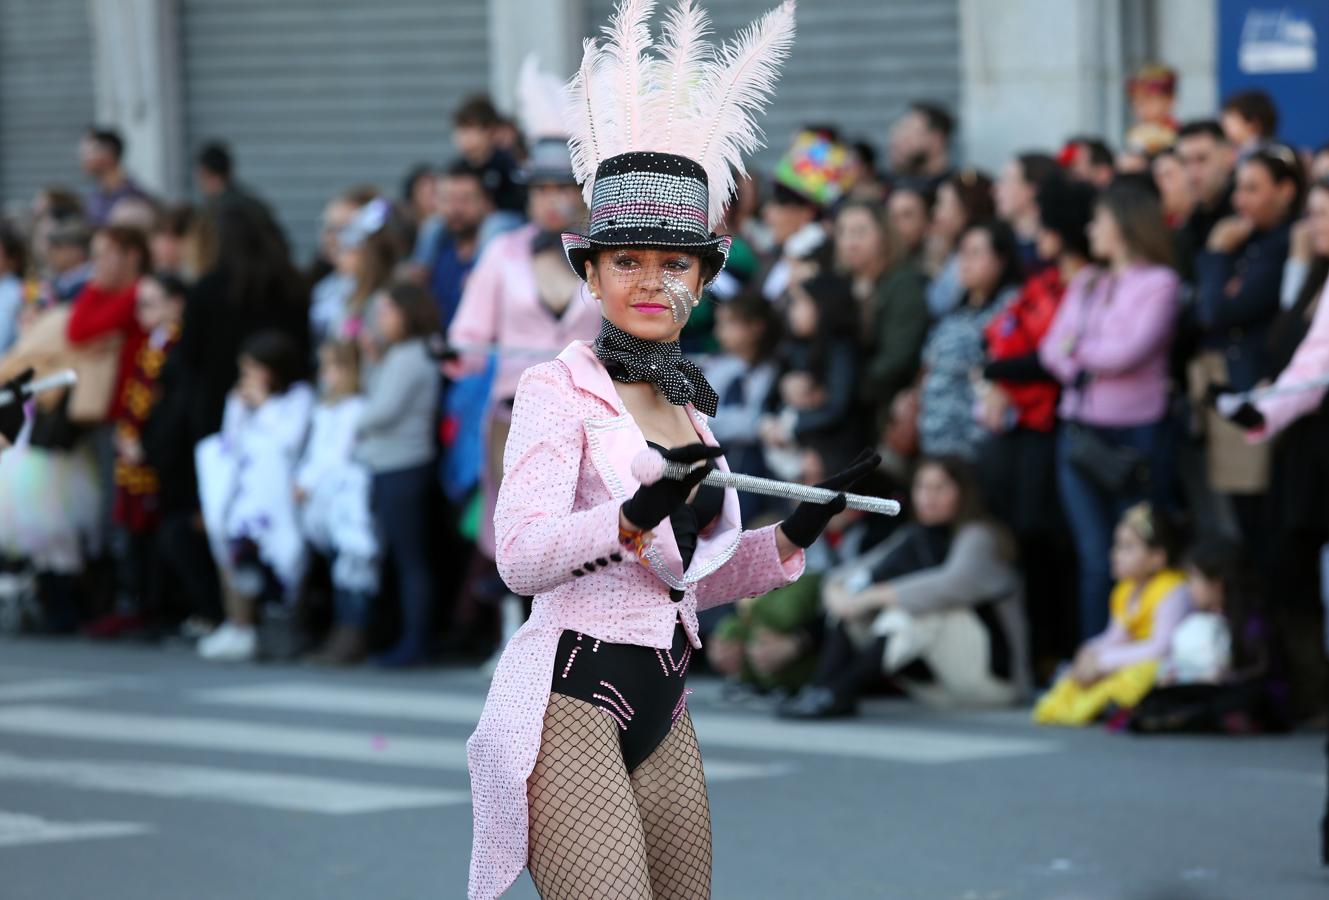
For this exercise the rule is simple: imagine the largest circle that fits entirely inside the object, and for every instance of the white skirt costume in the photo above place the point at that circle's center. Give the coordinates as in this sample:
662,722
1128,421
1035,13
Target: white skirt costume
246,481
335,517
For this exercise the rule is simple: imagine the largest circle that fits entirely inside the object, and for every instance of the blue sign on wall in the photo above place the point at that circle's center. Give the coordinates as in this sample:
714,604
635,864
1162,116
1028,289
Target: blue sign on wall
1281,47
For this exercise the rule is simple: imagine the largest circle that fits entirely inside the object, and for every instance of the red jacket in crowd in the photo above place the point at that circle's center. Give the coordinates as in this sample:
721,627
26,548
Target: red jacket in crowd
98,312
1016,332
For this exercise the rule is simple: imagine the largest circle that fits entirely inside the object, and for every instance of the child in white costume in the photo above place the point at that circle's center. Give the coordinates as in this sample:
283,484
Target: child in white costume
245,474
332,492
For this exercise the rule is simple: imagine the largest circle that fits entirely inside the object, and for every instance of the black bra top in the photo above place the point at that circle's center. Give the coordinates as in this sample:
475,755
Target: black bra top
690,519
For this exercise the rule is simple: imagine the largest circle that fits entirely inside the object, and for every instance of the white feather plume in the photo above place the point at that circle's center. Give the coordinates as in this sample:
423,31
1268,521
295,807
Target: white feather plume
736,89
692,101
542,104
685,54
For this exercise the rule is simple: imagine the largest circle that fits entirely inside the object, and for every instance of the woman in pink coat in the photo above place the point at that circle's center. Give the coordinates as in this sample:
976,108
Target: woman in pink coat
584,766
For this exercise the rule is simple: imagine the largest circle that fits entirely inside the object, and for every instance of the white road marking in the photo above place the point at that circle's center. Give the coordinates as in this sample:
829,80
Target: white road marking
276,740
894,743
18,829
351,701
51,689
275,790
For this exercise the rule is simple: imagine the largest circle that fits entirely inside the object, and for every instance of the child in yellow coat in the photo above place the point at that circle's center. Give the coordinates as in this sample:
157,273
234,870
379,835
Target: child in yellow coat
1119,666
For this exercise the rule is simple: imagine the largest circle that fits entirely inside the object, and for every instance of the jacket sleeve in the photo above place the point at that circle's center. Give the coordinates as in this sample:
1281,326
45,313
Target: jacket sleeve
477,318
1171,610
539,540
1310,361
95,314
1142,323
1256,298
1055,350
902,326
391,391
754,569
840,394
972,573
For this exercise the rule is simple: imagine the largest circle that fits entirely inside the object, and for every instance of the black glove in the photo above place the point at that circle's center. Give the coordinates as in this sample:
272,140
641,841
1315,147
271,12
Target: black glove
11,413
1246,416
809,519
654,502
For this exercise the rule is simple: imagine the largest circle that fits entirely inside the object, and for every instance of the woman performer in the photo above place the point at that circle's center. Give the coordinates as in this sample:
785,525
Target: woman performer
584,766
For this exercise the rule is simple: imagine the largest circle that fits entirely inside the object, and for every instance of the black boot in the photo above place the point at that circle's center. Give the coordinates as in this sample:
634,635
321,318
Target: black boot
836,694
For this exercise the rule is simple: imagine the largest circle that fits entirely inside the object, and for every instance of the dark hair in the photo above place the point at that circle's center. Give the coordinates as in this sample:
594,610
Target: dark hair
1283,165
62,203
358,195
380,253
1001,238
131,239
277,352
1100,154
216,159
172,284
751,306
783,195
174,220
460,168
15,249
417,307
1158,530
837,315
936,117
1224,560
476,111
866,153
1202,127
919,188
974,190
1256,107
108,139
236,240
1037,168
413,177
1139,216
1065,207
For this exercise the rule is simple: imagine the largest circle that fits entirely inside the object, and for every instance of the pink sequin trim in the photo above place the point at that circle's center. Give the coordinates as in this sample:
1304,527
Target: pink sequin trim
619,695
612,706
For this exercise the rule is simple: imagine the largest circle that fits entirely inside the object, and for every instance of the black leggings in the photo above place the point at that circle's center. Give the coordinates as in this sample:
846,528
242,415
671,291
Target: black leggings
640,688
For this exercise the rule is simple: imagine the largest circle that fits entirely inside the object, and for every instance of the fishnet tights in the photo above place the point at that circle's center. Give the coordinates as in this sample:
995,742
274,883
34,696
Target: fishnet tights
598,832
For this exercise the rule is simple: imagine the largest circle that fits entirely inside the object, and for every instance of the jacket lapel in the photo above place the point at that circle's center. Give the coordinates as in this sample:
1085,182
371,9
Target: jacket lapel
615,440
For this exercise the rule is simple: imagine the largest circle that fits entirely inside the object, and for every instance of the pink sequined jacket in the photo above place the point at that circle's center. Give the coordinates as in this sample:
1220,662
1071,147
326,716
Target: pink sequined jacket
566,471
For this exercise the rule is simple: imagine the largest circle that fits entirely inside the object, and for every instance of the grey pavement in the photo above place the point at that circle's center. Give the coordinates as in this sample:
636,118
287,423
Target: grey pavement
138,773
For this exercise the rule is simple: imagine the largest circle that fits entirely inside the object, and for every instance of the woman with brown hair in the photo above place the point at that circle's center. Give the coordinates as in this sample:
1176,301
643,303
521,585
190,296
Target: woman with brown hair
938,606
890,289
1108,346
962,200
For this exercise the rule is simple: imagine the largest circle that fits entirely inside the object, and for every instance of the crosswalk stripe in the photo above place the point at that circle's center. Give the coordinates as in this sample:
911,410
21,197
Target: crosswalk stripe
18,829
274,790
50,689
894,743
351,701
275,739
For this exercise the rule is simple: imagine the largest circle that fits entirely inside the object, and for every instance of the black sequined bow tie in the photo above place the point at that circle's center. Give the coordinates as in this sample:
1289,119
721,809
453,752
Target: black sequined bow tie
663,365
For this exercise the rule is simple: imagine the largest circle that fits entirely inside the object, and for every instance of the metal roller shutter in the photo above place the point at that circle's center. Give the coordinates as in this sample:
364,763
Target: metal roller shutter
316,95
855,63
46,96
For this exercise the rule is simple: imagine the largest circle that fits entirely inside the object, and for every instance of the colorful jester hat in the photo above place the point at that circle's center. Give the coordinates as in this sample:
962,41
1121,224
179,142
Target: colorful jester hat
657,140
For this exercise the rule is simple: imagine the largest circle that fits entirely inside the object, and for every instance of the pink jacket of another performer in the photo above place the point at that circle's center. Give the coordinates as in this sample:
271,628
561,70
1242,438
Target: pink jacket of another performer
1311,361
566,471
501,305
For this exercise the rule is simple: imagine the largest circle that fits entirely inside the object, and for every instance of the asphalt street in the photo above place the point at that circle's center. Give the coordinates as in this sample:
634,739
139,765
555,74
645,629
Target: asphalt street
137,773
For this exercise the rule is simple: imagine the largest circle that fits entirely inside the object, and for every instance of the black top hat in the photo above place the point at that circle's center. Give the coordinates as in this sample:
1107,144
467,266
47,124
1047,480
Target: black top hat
646,199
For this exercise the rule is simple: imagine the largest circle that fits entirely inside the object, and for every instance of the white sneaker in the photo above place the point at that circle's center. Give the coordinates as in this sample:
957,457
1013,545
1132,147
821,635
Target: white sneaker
229,643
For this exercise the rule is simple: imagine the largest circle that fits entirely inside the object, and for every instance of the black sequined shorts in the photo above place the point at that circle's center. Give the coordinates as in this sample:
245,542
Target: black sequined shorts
640,688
